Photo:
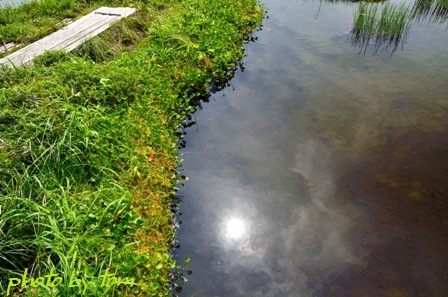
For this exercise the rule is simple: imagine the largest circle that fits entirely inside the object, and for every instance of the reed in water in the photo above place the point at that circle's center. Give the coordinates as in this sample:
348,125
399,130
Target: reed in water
380,26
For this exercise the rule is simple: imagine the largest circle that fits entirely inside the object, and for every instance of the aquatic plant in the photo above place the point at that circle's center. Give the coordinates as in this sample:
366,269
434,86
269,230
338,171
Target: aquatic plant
380,26
353,1
435,11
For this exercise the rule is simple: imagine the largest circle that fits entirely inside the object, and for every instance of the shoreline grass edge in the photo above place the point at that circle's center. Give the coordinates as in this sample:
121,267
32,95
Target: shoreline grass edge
88,148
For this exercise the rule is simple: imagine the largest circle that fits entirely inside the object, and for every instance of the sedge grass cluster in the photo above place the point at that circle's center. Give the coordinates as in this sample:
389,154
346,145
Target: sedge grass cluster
432,10
88,146
381,25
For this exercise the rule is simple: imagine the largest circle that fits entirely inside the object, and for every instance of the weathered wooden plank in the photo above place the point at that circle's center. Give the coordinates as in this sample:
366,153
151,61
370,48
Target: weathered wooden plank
73,33
6,47
71,36
56,40
72,43
91,20
64,22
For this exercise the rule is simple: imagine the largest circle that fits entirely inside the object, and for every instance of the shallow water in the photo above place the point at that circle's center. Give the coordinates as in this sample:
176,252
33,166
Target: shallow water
324,171
12,3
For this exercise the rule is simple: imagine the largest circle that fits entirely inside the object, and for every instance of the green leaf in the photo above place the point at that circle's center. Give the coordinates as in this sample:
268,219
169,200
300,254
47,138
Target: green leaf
155,286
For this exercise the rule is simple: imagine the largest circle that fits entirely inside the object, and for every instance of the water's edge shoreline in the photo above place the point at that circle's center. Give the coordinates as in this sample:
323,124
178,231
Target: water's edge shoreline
89,148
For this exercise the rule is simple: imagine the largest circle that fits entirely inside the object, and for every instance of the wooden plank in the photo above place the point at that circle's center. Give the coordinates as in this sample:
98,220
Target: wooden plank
6,47
72,43
64,22
53,41
71,36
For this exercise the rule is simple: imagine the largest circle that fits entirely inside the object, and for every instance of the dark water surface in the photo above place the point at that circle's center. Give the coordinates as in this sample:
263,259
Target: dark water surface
325,171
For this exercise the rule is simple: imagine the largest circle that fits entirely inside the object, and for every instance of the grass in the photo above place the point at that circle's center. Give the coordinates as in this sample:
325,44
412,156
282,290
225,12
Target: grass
435,11
354,1
381,26
88,145
32,21
120,37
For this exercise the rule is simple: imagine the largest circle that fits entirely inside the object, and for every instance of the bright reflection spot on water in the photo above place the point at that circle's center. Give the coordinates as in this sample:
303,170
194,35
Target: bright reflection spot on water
235,228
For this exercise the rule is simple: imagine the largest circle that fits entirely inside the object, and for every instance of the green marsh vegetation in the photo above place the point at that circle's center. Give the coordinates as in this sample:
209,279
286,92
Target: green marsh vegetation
385,26
435,11
353,1
381,25
88,140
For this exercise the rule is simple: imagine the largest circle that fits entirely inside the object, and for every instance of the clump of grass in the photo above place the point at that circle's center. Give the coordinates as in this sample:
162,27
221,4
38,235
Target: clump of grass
435,11
122,36
354,1
381,26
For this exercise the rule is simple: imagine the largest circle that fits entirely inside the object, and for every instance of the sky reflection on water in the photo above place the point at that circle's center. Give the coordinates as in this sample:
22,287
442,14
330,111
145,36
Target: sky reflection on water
324,172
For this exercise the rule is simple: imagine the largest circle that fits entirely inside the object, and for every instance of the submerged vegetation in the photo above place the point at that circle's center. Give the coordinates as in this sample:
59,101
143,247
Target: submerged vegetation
88,140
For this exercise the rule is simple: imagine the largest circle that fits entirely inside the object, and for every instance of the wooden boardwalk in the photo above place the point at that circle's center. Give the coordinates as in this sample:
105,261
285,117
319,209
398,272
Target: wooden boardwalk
6,47
69,37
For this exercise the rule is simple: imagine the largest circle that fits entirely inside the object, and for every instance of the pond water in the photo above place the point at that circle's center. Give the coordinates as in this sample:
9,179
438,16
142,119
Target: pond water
12,3
322,171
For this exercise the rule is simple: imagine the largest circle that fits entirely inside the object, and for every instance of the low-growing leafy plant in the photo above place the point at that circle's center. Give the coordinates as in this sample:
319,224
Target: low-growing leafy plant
88,143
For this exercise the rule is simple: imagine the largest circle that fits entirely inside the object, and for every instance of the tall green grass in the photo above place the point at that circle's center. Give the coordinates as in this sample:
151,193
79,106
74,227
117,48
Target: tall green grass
435,11
354,1
88,145
36,19
62,203
380,26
